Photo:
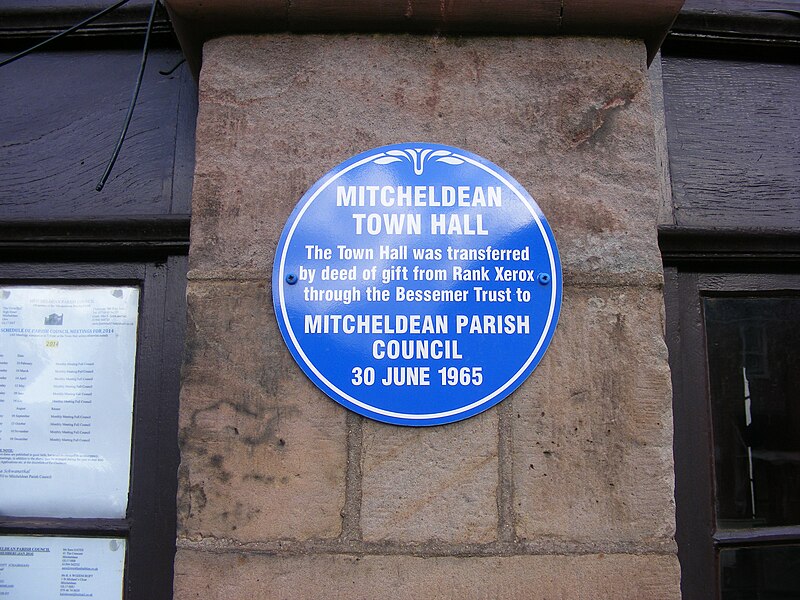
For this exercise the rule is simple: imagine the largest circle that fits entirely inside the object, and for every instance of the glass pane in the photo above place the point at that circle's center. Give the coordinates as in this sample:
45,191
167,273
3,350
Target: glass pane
754,379
760,573
42,567
67,358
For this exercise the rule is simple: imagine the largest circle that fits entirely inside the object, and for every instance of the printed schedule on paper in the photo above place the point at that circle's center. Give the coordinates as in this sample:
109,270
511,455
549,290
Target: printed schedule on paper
67,356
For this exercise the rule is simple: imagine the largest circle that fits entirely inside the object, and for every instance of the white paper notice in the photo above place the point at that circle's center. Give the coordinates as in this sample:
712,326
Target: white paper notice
67,359
43,568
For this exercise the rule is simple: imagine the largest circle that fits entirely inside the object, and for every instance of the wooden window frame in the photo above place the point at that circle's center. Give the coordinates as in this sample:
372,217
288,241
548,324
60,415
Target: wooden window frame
699,540
150,523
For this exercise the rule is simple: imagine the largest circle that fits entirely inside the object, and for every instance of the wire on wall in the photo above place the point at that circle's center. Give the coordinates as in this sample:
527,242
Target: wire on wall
66,32
112,161
132,105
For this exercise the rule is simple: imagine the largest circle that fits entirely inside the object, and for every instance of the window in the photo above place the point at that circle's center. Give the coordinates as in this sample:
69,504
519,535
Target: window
753,354
144,533
735,352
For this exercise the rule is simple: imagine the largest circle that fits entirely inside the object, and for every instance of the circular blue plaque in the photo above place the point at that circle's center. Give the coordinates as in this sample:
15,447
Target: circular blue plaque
417,284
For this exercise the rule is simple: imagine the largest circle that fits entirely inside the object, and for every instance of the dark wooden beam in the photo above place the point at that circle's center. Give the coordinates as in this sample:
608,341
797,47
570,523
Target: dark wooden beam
40,526
766,23
743,247
98,239
198,20
24,21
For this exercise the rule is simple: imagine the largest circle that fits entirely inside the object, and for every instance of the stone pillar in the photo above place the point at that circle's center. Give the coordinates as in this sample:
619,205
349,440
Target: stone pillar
565,489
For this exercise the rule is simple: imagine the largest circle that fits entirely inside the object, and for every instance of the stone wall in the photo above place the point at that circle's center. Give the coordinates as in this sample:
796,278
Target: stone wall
565,489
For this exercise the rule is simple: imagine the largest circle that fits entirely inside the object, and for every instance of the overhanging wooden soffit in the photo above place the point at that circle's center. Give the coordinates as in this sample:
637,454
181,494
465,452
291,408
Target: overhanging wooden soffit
196,21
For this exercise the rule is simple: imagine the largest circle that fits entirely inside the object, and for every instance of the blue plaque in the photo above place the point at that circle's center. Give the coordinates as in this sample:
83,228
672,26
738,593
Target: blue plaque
417,284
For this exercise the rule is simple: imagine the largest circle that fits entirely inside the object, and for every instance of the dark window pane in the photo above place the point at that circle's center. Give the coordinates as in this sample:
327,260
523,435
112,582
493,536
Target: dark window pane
754,378
760,573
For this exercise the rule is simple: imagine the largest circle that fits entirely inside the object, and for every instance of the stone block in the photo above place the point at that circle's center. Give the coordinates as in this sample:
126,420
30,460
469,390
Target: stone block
438,483
569,118
592,427
263,452
229,576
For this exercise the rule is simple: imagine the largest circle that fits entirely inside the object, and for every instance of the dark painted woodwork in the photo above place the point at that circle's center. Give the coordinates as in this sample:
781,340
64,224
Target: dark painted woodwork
726,249
96,239
733,131
78,527
730,90
692,451
750,22
719,7
23,20
62,114
154,467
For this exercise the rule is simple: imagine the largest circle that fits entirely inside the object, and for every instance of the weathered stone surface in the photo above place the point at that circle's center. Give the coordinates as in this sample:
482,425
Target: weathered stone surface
611,576
263,452
588,453
430,484
568,118
593,424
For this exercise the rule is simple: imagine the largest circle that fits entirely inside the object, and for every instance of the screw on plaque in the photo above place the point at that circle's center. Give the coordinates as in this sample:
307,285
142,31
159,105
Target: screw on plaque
291,279
544,278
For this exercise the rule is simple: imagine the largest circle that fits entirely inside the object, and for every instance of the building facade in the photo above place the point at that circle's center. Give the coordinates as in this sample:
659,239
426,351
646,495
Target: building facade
649,170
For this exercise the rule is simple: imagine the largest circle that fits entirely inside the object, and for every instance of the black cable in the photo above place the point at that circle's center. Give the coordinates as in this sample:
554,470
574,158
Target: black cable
83,23
136,89
173,69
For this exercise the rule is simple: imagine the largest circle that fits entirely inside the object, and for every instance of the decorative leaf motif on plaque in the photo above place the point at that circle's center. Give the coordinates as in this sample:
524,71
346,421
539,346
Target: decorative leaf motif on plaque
418,157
